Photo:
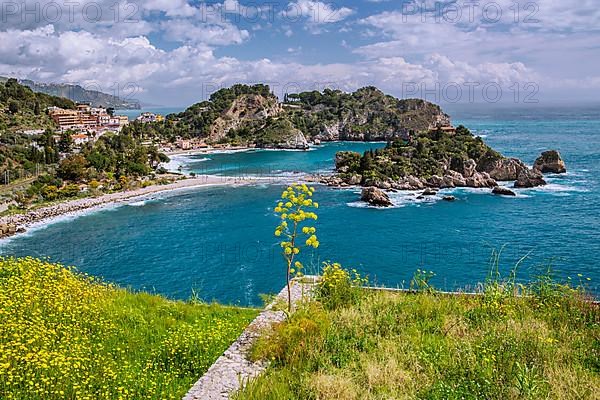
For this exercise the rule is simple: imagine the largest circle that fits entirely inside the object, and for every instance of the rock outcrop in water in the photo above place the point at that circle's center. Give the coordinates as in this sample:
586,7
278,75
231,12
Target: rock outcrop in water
529,178
501,169
375,197
502,191
550,162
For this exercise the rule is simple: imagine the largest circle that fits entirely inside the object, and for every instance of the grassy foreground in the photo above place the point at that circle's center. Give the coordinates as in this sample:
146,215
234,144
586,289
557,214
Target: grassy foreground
362,344
67,336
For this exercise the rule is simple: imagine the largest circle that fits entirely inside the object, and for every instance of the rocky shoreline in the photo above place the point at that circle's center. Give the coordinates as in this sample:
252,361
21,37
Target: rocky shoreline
14,224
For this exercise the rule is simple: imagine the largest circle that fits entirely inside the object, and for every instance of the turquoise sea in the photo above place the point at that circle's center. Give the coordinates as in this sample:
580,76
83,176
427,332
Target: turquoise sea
219,240
133,114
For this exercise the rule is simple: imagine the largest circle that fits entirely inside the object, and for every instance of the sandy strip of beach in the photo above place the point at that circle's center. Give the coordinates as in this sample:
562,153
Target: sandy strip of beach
39,215
207,150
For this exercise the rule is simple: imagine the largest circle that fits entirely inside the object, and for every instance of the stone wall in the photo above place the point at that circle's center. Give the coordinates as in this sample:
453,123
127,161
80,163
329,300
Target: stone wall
233,368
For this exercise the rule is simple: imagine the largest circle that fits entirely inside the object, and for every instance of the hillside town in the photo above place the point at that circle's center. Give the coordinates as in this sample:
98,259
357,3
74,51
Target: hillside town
86,122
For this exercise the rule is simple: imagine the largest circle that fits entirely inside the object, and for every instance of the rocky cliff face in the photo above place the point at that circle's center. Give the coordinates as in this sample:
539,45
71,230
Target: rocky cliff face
245,110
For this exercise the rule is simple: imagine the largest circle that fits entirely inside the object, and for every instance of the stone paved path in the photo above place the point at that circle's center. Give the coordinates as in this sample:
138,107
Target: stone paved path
233,368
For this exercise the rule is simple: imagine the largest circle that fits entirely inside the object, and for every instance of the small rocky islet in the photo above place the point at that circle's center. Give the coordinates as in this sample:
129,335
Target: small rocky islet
437,159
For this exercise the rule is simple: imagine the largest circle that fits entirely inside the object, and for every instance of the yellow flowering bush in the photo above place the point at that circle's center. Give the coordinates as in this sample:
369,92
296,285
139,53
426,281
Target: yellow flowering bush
339,286
294,210
65,335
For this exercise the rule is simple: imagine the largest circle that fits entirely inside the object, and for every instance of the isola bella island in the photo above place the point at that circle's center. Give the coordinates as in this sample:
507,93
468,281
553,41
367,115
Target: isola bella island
299,200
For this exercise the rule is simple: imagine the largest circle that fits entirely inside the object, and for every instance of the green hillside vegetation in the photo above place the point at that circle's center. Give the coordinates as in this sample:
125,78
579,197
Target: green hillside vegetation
114,162
265,133
64,335
351,343
21,108
367,111
196,120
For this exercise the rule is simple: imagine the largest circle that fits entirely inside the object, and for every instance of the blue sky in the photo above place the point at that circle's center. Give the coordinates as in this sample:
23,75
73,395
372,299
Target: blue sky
175,52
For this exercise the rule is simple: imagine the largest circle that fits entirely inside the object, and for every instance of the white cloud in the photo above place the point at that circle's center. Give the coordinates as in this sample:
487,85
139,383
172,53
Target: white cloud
188,31
315,12
86,58
172,8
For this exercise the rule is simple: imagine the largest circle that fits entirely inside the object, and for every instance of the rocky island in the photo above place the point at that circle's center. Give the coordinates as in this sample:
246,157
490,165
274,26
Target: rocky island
437,159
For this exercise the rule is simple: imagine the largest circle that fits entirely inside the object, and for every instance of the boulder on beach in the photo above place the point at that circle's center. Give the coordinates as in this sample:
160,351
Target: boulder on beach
529,178
428,192
550,162
502,191
376,197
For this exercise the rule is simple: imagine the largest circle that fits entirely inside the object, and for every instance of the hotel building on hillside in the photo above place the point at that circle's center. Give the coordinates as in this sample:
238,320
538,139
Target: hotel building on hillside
87,118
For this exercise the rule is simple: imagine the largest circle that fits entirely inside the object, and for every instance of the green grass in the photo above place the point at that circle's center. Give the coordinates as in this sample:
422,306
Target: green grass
64,335
398,345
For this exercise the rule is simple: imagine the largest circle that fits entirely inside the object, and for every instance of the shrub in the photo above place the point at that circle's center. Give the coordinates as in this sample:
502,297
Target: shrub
292,340
73,168
50,192
421,281
71,190
339,287
94,184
